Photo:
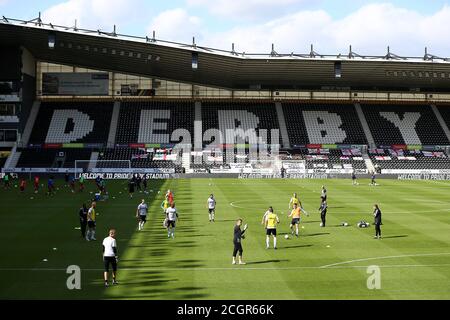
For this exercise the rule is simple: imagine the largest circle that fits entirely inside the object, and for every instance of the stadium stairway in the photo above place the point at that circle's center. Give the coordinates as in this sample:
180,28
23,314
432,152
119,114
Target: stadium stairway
186,162
368,162
93,160
282,124
113,126
366,129
30,123
198,127
13,158
441,121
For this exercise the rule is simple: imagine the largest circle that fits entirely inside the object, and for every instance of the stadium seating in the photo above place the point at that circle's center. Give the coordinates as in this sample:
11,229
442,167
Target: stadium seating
328,159
445,113
4,154
136,156
154,121
72,122
47,158
410,160
251,117
404,124
323,124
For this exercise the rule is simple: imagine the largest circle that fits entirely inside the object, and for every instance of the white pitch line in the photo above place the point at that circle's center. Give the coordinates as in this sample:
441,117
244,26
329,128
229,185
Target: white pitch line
233,205
425,200
239,268
386,257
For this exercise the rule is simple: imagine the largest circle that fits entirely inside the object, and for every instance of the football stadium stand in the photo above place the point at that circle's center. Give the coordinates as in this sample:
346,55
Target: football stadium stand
154,122
146,131
51,158
112,100
140,158
404,124
444,112
323,124
72,122
414,160
250,117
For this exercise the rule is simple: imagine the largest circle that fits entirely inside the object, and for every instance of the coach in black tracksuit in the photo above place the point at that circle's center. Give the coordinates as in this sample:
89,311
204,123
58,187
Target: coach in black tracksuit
237,241
377,221
323,211
83,219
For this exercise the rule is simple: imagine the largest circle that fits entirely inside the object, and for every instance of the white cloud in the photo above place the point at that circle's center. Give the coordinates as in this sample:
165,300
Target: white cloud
373,27
248,9
101,14
370,30
288,33
176,25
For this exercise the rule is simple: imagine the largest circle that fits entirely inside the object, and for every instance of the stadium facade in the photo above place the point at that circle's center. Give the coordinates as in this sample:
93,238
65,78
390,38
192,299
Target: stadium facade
104,103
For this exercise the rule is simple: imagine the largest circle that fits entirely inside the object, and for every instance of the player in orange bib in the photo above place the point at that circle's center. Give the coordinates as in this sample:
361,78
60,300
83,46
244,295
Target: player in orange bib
295,215
36,184
169,196
23,184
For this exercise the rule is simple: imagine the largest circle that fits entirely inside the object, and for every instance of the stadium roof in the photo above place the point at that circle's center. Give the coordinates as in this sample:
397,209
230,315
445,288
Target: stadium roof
157,58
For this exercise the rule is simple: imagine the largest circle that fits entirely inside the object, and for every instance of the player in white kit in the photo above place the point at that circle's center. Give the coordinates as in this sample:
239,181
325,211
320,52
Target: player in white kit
172,217
141,214
211,203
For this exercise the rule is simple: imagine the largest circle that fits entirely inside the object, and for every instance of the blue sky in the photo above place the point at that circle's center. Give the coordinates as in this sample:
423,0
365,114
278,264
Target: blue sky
407,26
29,8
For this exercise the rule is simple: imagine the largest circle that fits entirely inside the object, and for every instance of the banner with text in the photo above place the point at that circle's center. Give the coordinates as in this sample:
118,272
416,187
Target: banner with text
75,84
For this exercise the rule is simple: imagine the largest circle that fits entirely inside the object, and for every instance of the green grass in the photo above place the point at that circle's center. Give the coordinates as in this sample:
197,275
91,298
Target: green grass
414,255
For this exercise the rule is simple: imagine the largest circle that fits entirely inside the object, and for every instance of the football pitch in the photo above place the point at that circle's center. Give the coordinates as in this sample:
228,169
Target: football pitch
40,239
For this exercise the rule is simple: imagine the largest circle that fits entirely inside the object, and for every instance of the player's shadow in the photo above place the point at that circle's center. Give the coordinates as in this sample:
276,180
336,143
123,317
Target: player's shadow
187,264
159,252
187,230
393,237
202,235
194,296
315,234
149,283
149,274
225,220
268,261
189,244
335,226
298,246
315,221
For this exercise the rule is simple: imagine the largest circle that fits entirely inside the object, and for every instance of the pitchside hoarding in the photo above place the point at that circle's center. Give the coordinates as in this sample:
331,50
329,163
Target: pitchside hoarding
75,84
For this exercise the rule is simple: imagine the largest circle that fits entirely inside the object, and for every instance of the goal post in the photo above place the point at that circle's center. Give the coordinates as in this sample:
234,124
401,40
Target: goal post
102,166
